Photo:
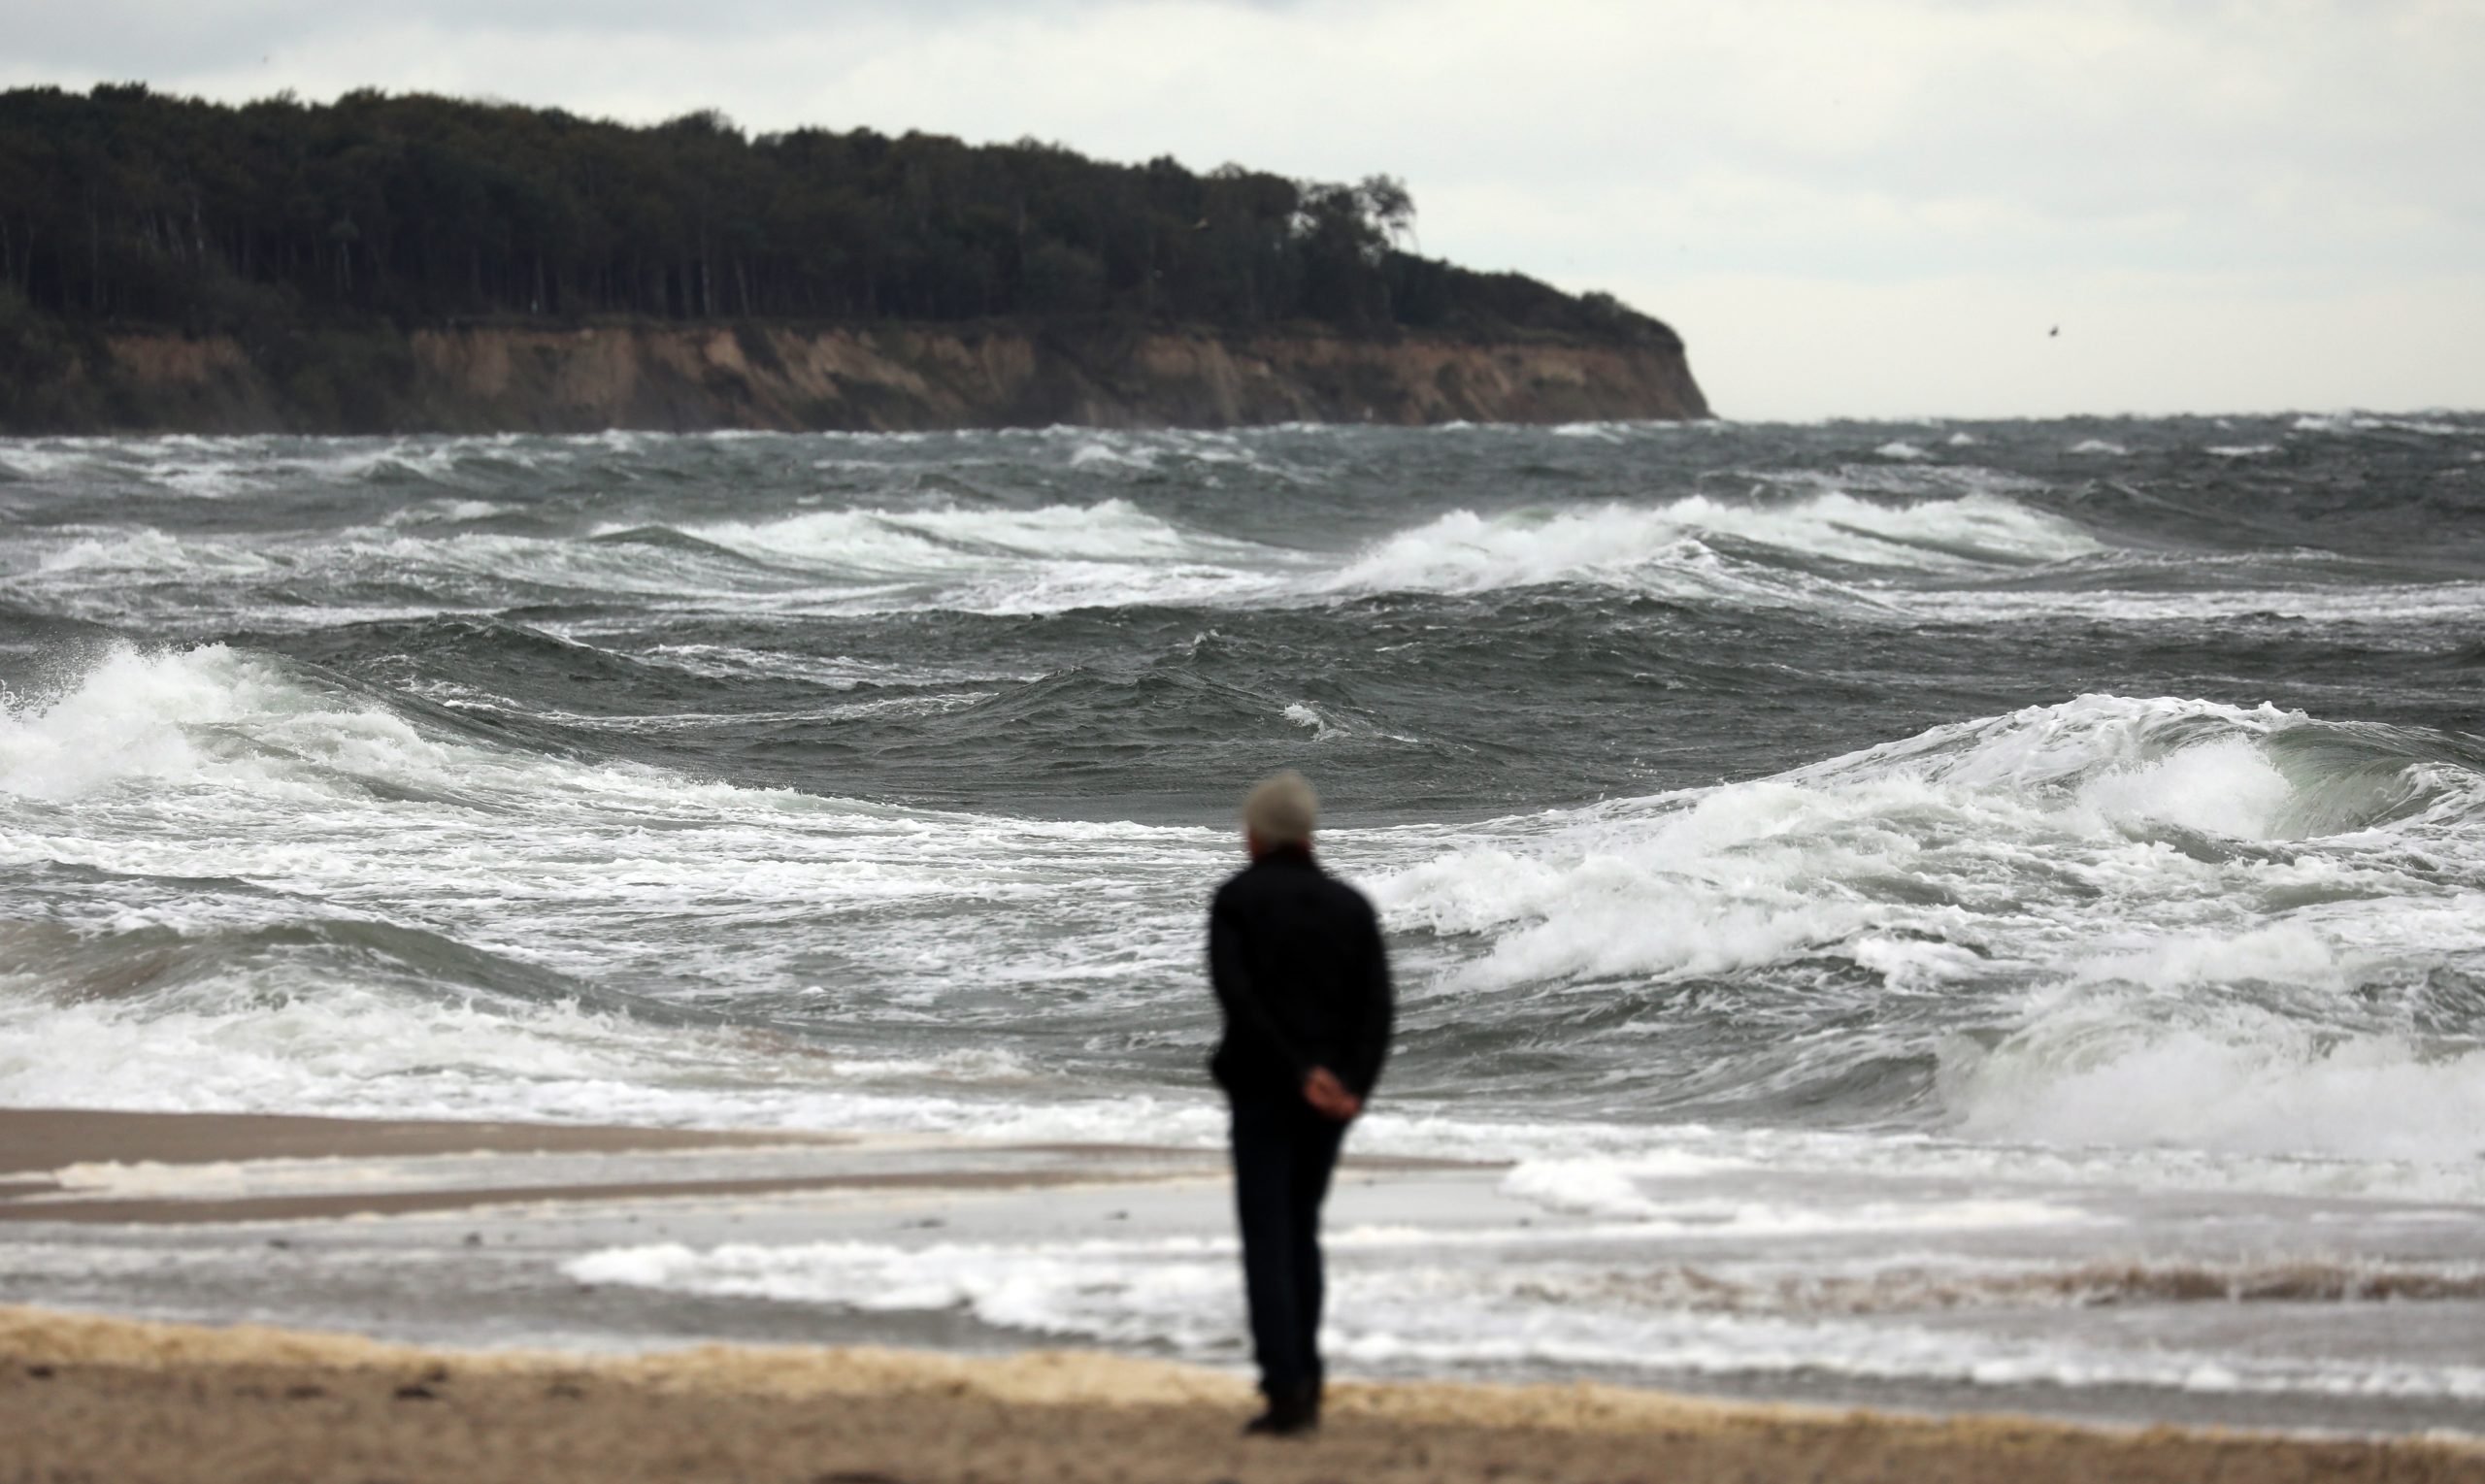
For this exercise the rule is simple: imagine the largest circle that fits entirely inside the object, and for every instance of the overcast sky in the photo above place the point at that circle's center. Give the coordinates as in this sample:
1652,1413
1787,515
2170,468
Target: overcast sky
1861,208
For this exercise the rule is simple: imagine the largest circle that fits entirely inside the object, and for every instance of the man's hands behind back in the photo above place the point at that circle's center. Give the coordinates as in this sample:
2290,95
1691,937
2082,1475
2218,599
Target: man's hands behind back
1329,1097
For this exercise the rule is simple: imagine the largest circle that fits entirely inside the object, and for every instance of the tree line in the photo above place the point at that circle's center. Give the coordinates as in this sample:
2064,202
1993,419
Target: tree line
123,205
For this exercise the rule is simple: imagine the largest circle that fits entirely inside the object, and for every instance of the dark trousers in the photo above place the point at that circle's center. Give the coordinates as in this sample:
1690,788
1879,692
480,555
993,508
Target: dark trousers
1284,1152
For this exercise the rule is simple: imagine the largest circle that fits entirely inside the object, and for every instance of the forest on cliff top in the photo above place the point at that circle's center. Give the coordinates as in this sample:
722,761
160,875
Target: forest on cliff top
123,206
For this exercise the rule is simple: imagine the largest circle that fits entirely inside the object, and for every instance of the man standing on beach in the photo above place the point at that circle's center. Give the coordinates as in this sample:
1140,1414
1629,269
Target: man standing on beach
1297,962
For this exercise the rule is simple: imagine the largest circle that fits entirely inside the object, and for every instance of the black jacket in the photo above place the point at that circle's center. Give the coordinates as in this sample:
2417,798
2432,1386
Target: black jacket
1296,959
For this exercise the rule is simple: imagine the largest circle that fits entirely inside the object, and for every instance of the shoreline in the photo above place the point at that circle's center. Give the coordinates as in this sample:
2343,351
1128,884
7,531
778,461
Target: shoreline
103,1167
511,1239
108,1167
96,1396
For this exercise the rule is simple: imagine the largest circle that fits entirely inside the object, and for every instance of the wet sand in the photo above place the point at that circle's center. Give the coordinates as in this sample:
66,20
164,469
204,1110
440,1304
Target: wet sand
100,1398
76,1166
39,1139
453,1240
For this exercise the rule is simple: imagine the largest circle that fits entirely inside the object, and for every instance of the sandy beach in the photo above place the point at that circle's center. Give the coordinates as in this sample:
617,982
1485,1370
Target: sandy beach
306,1252
85,1398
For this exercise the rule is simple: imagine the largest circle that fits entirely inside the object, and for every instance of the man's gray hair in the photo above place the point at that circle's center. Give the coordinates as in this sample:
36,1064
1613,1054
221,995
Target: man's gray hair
1283,811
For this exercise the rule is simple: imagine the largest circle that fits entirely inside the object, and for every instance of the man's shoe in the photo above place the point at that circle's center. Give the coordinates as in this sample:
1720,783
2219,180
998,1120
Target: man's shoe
1289,1415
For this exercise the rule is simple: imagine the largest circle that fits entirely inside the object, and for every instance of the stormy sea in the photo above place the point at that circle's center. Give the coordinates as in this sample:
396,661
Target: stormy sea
1903,909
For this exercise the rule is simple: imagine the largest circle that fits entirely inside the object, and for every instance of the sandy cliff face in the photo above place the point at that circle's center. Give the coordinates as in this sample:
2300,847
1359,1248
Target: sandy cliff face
889,377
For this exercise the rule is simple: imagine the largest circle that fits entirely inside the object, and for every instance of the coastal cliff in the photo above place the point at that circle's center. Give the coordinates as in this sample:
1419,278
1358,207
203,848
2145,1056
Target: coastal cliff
414,263
887,377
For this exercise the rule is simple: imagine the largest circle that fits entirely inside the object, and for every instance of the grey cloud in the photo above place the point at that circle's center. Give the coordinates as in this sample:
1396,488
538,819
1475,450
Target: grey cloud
1877,152
163,40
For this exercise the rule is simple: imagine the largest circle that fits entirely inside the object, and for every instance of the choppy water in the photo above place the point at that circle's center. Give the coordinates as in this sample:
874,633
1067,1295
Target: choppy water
1941,802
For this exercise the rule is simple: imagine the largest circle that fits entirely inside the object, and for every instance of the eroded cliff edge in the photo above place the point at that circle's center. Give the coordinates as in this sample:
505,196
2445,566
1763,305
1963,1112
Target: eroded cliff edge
887,378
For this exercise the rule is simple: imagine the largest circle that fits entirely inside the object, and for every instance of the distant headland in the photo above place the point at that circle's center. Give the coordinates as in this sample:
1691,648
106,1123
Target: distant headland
420,264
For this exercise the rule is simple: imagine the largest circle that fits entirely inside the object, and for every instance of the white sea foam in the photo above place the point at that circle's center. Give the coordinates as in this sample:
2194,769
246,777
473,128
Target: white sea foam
151,552
2189,925
539,880
2225,787
1097,452
1305,715
835,673
41,460
222,468
149,719
2361,422
1607,1186
2113,1070
1112,552
264,742
2373,603
1758,553
1040,560
1064,556
303,1043
1644,547
2105,851
445,513
1408,1295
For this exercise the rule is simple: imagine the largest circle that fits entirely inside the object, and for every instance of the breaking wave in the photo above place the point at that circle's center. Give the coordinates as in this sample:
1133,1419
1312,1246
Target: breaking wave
1831,995
1399,1296
317,897
1806,552
2112,921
